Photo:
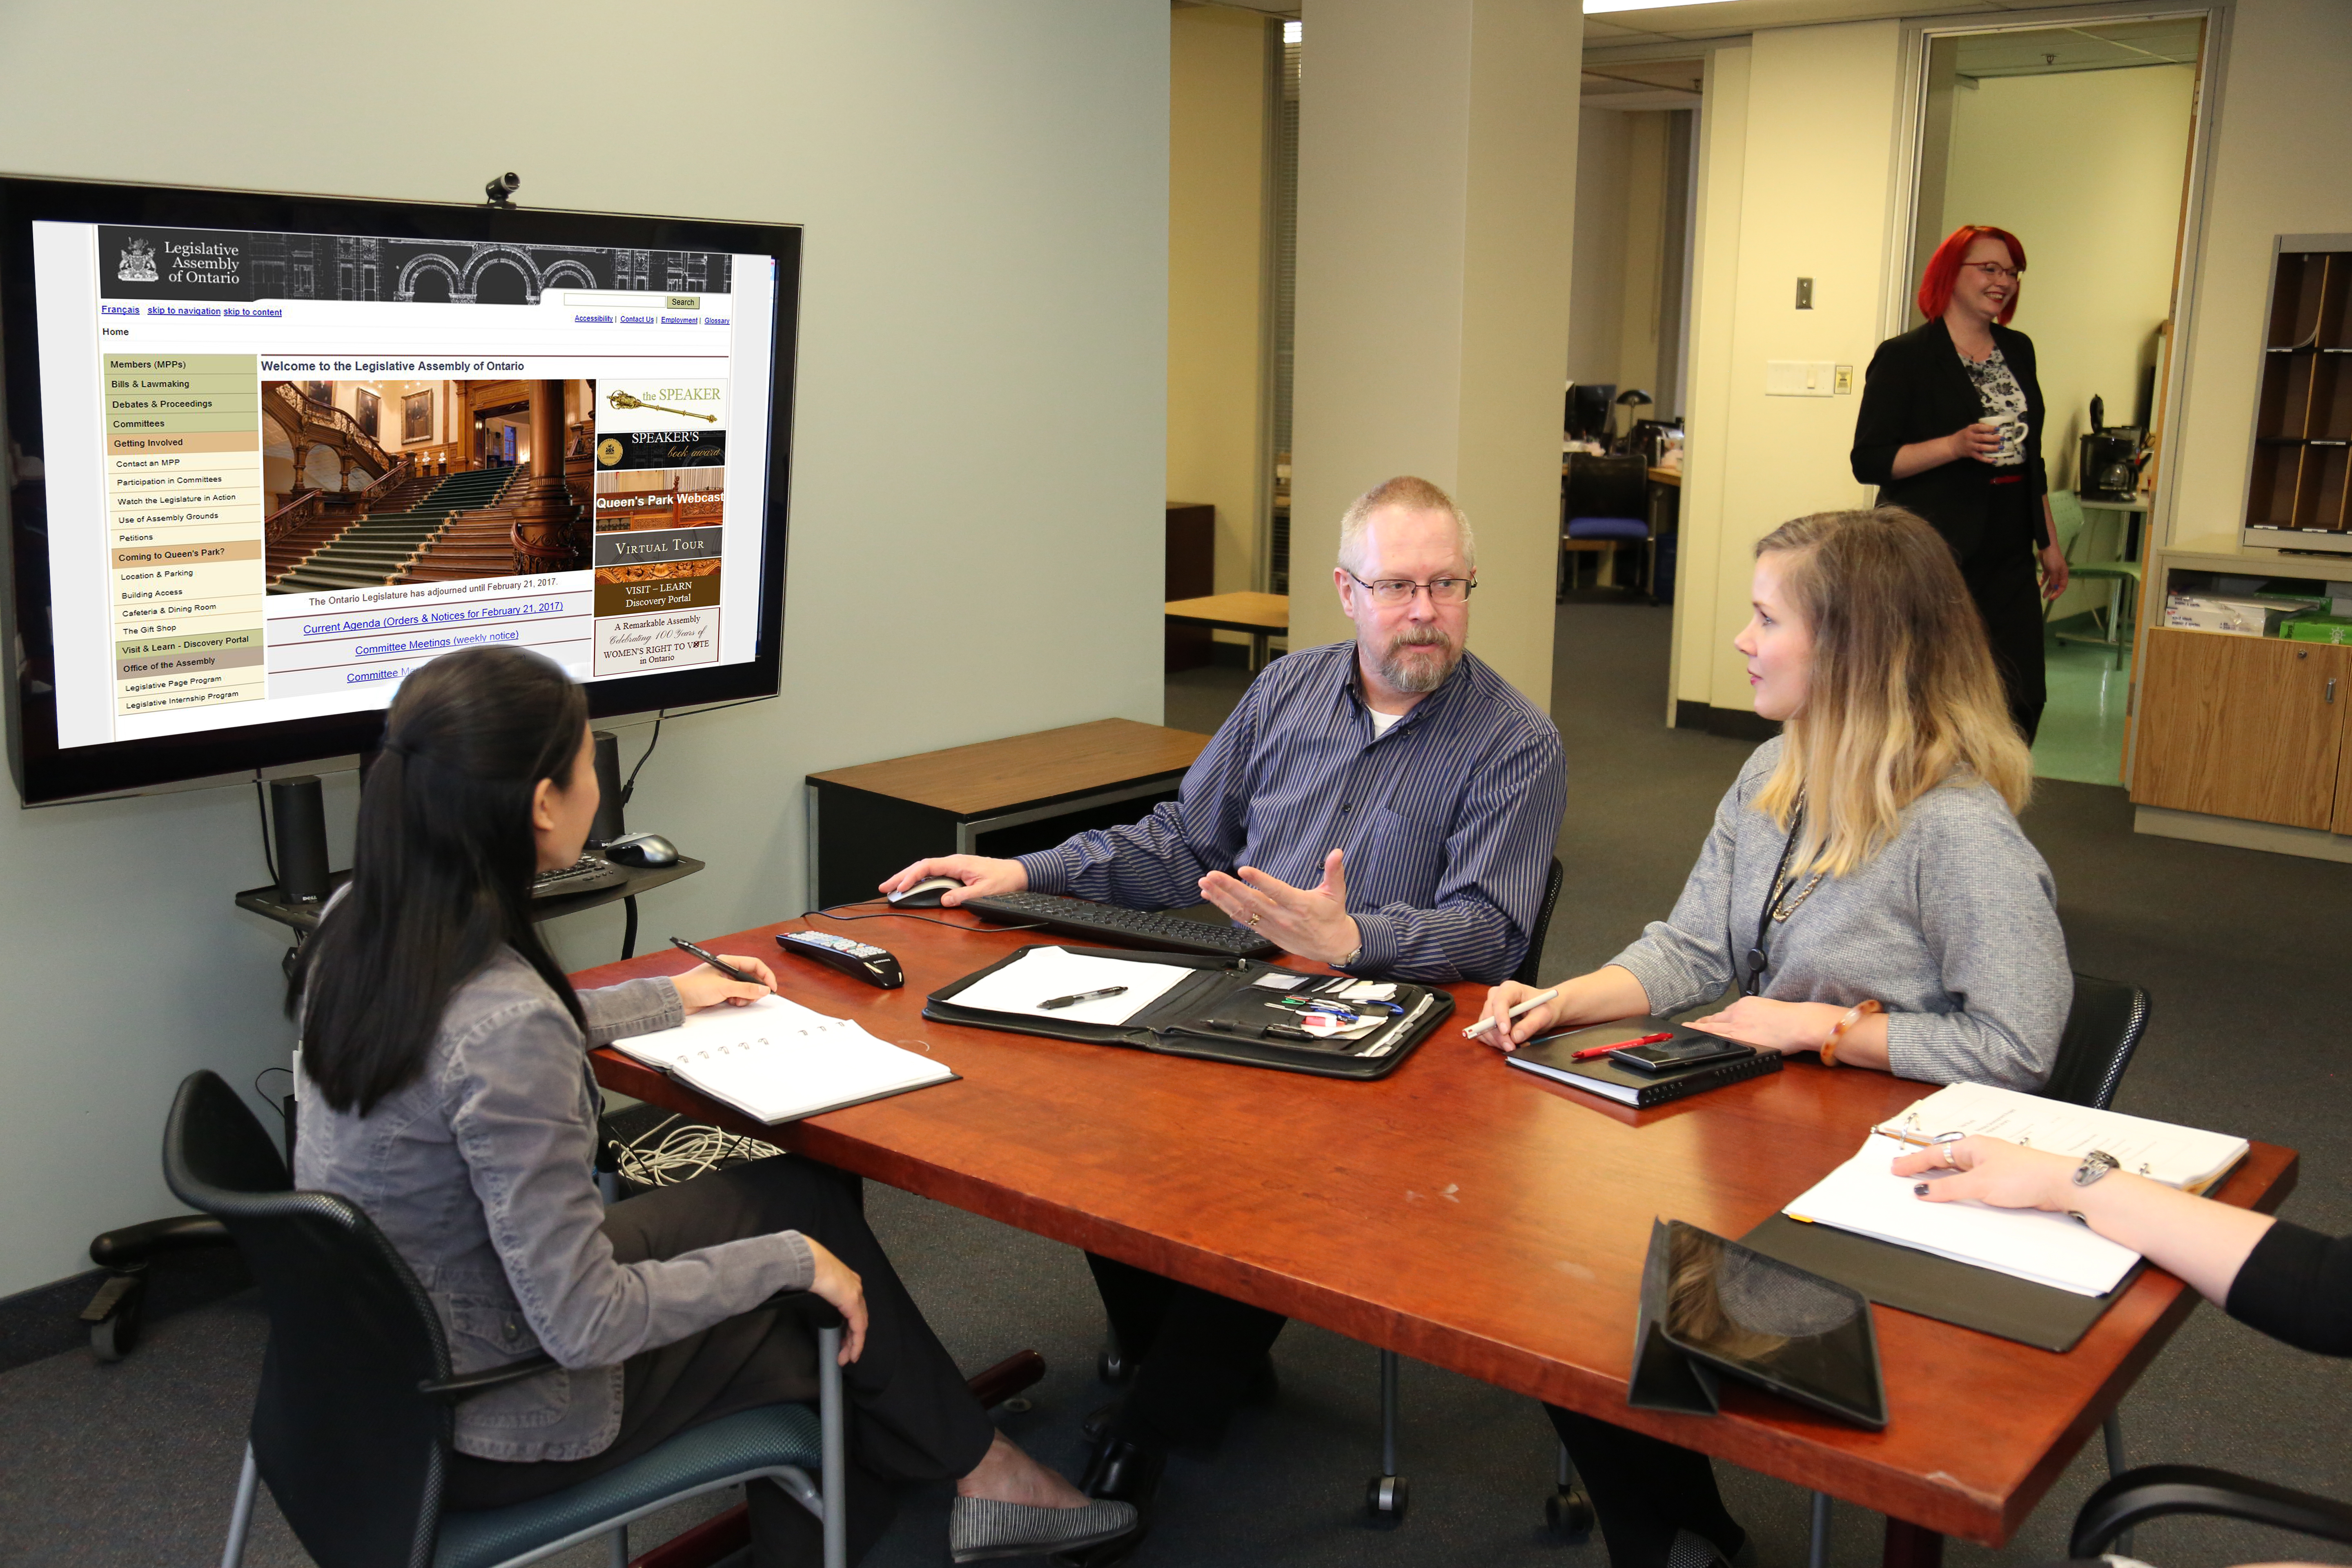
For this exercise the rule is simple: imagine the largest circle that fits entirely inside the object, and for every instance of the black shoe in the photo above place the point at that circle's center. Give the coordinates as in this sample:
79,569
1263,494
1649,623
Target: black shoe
1119,1470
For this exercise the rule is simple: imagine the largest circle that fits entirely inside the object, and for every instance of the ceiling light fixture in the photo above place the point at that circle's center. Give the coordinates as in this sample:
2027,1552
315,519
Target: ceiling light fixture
1599,7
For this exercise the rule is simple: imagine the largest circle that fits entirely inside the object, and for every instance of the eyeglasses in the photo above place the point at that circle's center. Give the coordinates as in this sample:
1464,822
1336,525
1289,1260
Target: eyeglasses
1994,271
1400,590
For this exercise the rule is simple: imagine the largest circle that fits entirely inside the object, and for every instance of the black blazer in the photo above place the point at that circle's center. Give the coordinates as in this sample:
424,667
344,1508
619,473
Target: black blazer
1916,390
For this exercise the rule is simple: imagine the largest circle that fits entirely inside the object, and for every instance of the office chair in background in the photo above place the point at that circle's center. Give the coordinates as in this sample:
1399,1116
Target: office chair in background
2122,578
2154,1491
1607,507
352,1423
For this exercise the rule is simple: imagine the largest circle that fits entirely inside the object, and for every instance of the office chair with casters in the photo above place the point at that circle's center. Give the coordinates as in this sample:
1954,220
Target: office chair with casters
2103,1027
2154,1491
1388,1494
351,1425
1607,504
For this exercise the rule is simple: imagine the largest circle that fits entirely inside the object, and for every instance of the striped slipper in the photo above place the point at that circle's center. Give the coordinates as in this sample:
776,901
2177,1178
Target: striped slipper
982,1528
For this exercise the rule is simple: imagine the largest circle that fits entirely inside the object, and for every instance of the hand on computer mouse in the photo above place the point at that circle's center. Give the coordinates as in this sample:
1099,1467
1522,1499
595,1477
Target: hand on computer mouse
981,876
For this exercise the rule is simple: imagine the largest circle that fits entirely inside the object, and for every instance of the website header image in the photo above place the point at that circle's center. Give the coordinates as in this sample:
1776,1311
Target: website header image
240,265
386,483
660,498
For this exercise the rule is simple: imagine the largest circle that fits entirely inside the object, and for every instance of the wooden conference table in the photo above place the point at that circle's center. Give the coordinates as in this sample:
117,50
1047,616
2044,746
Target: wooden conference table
1458,1212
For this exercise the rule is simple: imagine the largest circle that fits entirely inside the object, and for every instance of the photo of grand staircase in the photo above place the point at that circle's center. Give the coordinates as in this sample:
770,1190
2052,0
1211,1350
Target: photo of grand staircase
379,548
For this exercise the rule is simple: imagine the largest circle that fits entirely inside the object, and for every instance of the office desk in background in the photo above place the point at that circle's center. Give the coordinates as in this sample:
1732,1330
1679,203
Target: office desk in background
998,797
1263,615
1460,1213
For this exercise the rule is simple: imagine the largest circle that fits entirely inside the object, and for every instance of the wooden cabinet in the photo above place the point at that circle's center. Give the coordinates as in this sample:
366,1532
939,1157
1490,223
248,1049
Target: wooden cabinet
2244,727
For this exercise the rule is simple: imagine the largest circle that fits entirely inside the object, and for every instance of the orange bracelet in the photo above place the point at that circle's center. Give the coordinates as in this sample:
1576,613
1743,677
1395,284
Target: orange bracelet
1853,1016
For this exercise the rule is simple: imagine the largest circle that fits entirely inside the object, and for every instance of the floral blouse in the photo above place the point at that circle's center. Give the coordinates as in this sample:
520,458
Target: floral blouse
1998,390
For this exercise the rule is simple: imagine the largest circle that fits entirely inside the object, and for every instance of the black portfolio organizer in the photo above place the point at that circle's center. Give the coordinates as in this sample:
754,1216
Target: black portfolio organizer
1984,1300
1179,1023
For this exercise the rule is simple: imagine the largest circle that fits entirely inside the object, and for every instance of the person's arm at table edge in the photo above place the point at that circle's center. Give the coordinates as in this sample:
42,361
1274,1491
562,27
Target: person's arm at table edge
2291,1283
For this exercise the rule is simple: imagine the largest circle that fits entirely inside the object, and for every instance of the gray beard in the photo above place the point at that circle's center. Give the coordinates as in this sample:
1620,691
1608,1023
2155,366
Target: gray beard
1418,676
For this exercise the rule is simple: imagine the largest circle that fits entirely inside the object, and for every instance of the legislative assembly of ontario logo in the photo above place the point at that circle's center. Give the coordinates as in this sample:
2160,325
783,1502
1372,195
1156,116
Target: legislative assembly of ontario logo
138,264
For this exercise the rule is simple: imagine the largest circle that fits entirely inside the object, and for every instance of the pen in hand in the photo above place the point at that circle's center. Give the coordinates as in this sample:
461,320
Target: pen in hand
1085,997
1483,1025
727,970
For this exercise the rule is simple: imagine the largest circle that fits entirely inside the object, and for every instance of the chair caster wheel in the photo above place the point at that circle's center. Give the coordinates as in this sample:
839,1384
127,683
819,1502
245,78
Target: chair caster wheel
1569,1514
116,1314
1113,1367
1385,1499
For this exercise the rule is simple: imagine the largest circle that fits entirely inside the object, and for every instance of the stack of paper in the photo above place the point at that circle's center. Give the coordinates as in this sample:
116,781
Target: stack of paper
2177,1156
1864,1196
778,1062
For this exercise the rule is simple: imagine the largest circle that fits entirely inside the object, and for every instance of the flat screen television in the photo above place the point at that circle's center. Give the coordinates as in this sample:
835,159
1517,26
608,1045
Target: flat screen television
266,454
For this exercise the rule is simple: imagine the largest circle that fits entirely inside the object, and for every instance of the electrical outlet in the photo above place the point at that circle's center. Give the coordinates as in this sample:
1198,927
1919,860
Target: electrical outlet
1845,381
1804,293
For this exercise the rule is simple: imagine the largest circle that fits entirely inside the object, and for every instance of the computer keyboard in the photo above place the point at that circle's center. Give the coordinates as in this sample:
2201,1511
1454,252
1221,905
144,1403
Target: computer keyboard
1135,928
585,875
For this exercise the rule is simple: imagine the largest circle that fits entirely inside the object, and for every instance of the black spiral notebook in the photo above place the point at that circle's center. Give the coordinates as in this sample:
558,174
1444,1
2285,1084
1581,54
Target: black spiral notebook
1552,1057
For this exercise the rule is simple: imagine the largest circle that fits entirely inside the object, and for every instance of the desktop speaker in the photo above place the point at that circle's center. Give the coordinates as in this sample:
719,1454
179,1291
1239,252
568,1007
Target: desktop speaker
297,808
608,825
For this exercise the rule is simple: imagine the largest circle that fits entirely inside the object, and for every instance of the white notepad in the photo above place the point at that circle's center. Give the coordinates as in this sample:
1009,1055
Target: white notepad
1042,973
2181,1157
778,1062
1864,1196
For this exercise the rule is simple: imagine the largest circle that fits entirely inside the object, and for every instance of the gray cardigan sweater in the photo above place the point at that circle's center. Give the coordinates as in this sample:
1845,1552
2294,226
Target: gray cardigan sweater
480,1173
1953,927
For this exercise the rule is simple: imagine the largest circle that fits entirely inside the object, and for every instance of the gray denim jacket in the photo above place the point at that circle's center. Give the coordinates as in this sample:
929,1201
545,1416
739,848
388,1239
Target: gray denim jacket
480,1173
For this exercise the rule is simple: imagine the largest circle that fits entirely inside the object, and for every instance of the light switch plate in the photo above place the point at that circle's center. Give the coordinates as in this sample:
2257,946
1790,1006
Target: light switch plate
1800,378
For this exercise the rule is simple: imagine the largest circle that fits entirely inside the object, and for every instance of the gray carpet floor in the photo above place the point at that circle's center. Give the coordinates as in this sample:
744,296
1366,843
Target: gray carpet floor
2243,952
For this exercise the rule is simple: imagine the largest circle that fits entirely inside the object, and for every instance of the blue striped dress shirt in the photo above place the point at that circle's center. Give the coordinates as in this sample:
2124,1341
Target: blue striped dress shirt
1448,819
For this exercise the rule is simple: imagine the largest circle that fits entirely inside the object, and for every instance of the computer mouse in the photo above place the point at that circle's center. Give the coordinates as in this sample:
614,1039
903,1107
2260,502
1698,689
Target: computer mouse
925,894
645,850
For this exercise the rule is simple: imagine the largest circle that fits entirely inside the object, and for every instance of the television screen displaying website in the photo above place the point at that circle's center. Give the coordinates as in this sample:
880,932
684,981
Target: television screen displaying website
282,469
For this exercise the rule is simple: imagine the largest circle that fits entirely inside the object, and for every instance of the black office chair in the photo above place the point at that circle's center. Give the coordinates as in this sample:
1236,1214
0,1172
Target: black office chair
2103,1030
1535,934
1386,1498
2153,1492
351,1425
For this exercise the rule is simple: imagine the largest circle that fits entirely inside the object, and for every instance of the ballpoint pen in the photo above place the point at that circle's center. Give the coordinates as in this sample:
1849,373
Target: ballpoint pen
1085,997
1483,1025
727,970
1590,1051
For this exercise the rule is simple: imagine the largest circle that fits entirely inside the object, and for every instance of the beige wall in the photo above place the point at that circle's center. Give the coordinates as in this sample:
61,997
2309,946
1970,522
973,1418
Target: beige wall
1216,219
2283,122
1437,155
981,415
1813,170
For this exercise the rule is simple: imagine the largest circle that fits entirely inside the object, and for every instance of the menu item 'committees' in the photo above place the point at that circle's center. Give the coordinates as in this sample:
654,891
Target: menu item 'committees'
2183,1157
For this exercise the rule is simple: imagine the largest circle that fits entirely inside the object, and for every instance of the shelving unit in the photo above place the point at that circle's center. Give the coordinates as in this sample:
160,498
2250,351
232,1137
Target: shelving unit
2299,493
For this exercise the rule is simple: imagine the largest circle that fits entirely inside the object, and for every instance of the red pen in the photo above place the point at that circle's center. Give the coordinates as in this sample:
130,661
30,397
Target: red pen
1590,1051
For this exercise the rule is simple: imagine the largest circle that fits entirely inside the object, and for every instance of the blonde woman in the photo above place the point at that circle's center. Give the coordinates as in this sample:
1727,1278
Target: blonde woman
1865,886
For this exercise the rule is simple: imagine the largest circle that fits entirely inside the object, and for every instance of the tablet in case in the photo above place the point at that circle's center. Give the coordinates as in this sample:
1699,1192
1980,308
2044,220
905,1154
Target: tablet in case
1713,1308
1216,1014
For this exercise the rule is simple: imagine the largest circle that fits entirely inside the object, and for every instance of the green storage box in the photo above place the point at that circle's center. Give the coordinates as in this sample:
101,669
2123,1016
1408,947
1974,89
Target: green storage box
2334,630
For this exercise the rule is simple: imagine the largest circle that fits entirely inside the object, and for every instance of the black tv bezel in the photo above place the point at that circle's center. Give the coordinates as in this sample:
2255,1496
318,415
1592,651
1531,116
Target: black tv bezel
47,774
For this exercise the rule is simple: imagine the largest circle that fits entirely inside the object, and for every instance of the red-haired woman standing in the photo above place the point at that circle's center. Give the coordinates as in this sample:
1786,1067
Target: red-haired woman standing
1951,429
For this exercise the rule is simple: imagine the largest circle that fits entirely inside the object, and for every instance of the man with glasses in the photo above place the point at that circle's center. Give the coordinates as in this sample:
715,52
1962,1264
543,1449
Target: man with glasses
1387,806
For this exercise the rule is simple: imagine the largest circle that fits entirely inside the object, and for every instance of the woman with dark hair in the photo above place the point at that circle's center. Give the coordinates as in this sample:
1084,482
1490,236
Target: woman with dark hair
1950,429
1865,886
444,1088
